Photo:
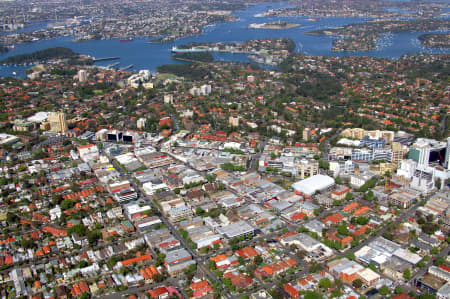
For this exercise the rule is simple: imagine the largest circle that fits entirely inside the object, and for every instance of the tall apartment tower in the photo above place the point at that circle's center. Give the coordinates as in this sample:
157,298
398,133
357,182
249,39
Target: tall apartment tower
234,121
306,135
447,154
424,154
57,122
82,75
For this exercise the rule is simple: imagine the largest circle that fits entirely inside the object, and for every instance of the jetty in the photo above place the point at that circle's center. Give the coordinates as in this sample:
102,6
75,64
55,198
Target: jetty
112,65
106,58
126,67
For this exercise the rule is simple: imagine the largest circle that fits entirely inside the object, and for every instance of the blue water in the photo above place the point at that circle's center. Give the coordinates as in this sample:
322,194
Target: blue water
148,56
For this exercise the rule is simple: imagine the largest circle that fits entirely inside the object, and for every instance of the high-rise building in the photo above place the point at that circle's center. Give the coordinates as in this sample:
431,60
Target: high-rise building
424,155
82,75
205,89
306,134
420,152
57,122
168,98
425,151
397,152
141,122
447,154
234,121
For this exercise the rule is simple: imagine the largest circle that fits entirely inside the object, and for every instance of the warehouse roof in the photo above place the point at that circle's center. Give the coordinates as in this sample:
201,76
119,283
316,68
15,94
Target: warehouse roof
312,184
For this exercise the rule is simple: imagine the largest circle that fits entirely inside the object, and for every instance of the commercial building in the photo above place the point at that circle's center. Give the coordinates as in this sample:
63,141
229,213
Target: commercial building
345,269
358,180
340,192
315,226
154,185
430,283
8,139
22,126
442,272
309,186
306,168
325,201
407,168
18,281
397,152
423,180
88,152
178,260
424,151
342,167
401,199
134,210
444,292
374,154
373,142
356,133
369,277
236,229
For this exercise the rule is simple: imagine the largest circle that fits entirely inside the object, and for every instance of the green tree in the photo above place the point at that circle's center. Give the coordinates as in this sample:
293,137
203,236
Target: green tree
350,256
434,251
342,229
407,274
312,295
67,204
93,236
199,211
258,260
439,261
325,283
427,296
384,290
362,220
357,283
78,229
11,217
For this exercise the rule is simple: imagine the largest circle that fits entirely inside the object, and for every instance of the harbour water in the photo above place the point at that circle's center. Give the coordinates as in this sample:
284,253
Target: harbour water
144,55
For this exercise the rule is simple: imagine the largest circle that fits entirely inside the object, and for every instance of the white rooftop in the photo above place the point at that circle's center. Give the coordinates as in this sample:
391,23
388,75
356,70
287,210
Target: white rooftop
312,184
38,117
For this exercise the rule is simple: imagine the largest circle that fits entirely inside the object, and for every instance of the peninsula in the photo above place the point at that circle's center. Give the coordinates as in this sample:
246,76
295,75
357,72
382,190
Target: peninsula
265,51
362,36
435,40
44,55
273,25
